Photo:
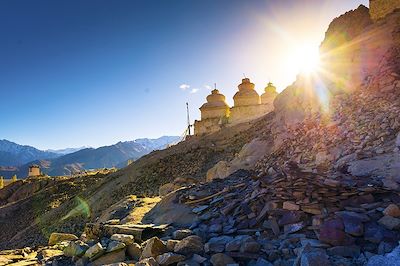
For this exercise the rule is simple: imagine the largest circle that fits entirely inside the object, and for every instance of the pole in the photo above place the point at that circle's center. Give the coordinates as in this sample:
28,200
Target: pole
188,118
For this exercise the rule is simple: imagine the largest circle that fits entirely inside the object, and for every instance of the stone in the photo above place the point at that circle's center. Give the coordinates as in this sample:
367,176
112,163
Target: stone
200,209
262,262
290,217
314,258
345,251
236,243
217,244
126,239
392,210
335,237
109,258
398,140
154,247
189,245
75,249
59,237
171,244
49,253
94,251
215,228
390,222
134,251
166,189
287,205
181,234
250,247
376,233
220,259
169,258
390,259
292,228
115,245
147,262
199,259
353,226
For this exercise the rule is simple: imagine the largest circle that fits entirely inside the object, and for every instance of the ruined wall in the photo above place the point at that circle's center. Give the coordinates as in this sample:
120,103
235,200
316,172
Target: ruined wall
207,126
240,114
380,8
34,171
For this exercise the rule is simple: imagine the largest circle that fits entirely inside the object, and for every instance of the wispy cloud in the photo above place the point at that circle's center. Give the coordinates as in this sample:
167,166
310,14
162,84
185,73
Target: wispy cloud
194,90
184,86
207,87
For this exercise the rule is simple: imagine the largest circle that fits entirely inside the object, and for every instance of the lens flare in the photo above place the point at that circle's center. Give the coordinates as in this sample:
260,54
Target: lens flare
82,208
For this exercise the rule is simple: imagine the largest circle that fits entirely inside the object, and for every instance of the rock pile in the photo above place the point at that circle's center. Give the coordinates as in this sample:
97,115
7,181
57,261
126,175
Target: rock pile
289,218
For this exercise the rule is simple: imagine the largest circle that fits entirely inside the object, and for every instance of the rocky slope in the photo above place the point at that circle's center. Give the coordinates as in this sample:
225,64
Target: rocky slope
325,192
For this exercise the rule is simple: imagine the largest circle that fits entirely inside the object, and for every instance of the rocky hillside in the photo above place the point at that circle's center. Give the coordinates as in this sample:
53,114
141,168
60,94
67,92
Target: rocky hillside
324,191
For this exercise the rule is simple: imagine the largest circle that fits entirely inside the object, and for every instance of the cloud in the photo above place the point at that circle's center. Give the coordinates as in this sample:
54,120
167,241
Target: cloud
194,90
184,86
208,87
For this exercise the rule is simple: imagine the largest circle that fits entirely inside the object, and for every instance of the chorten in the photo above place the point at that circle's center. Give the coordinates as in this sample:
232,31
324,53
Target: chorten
246,103
269,95
246,94
215,107
214,114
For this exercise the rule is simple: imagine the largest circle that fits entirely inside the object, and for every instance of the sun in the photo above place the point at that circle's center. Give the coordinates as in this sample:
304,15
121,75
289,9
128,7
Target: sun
305,58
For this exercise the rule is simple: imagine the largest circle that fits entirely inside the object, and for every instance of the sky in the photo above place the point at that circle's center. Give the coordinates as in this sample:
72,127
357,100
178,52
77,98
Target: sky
91,73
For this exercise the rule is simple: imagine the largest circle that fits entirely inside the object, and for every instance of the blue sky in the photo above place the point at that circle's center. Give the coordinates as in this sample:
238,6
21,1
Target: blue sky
77,73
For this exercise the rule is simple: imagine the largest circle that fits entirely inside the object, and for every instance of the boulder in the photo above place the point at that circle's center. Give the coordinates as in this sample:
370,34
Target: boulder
390,259
134,251
115,245
153,247
171,244
169,258
219,171
189,245
59,237
345,251
314,258
220,259
217,244
291,206
75,249
390,222
126,239
94,251
181,234
110,258
167,188
392,210
147,262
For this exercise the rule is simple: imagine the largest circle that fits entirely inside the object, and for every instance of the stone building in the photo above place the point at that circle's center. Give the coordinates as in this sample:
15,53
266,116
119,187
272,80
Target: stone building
248,105
268,97
380,8
34,170
214,114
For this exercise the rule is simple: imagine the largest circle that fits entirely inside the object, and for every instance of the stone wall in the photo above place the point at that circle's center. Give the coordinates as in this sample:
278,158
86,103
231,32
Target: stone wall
380,8
34,171
240,114
207,126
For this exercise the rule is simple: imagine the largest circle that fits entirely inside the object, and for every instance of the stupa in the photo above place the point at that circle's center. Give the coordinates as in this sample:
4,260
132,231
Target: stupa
268,97
214,114
246,103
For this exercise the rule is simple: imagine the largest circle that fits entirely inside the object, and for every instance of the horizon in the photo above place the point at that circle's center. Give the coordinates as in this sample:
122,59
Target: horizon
99,72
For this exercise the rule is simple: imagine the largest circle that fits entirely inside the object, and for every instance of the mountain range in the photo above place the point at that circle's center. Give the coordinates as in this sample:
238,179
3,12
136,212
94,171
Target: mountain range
15,158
